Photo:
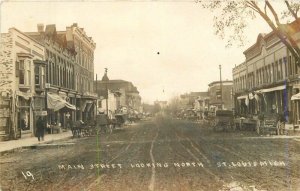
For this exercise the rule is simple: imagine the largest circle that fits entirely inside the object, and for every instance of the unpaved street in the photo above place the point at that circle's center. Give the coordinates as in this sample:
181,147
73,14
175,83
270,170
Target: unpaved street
158,154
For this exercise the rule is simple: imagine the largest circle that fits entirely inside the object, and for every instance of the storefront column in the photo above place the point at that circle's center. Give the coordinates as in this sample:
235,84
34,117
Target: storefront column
31,117
75,112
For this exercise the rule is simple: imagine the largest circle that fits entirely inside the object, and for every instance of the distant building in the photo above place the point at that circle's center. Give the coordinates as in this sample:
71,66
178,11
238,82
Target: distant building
220,94
113,102
201,102
162,104
188,99
128,98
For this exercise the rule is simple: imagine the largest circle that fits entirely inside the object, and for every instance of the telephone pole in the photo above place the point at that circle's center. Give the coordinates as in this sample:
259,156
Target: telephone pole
220,67
106,87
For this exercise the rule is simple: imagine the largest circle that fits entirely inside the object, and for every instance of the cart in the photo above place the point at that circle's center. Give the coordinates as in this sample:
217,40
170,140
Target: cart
103,122
223,120
119,119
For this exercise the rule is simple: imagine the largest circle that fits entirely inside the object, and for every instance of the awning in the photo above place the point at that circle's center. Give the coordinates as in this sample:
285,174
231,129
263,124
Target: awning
271,89
296,86
55,102
296,97
25,95
88,107
242,97
251,96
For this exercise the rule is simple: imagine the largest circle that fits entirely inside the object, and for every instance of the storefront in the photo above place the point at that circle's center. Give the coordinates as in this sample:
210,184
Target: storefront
5,117
242,105
59,109
87,109
296,107
24,114
272,100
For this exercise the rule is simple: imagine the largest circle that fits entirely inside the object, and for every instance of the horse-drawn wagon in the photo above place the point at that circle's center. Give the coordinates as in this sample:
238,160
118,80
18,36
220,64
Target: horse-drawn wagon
223,120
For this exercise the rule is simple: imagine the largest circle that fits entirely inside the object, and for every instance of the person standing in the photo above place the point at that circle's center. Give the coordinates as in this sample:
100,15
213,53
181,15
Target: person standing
280,124
40,128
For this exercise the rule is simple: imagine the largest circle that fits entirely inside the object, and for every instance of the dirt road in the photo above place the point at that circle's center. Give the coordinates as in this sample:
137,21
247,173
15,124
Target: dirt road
159,154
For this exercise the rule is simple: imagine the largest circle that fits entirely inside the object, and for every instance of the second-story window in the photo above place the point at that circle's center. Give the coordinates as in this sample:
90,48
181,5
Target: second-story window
39,76
23,70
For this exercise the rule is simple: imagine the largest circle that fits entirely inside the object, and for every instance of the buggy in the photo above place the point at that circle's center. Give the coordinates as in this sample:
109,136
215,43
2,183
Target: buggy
223,120
104,123
77,127
119,120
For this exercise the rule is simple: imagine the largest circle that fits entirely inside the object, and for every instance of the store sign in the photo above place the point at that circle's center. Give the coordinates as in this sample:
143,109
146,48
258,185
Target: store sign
40,113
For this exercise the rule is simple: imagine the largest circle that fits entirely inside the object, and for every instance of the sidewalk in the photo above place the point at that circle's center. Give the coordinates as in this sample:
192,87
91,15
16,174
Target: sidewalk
31,141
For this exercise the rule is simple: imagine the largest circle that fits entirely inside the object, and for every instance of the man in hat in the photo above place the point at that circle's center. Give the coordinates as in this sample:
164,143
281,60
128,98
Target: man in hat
40,128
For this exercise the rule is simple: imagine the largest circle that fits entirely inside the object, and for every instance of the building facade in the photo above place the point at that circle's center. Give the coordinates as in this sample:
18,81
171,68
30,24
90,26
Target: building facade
45,73
221,95
69,56
22,84
202,104
112,103
128,99
266,81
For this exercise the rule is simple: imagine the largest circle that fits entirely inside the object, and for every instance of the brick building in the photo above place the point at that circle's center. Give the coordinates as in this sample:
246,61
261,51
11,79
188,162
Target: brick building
47,72
220,94
128,98
69,56
267,80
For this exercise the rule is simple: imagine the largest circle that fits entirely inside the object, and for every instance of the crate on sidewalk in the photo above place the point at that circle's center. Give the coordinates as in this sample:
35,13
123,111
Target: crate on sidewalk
55,129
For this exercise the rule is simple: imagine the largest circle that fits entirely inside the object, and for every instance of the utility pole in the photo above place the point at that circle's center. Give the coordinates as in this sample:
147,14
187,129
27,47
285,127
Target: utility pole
96,88
220,67
106,84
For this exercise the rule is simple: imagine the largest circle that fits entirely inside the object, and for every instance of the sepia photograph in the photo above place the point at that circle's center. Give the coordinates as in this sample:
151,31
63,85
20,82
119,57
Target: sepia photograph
150,95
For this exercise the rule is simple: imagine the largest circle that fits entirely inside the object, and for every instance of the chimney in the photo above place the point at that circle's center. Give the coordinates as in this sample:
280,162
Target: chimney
40,28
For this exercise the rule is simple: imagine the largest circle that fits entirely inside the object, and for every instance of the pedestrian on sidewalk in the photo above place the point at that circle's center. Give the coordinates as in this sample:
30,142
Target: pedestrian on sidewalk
280,124
40,128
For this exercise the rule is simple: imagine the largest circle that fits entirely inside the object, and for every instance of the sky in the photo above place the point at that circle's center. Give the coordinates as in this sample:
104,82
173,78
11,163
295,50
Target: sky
164,48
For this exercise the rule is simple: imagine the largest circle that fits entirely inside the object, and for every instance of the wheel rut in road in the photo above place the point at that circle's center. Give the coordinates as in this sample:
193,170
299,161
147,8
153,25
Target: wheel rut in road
152,180
247,150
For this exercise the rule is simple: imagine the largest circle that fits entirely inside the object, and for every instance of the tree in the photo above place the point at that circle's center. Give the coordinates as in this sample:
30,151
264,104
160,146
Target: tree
233,16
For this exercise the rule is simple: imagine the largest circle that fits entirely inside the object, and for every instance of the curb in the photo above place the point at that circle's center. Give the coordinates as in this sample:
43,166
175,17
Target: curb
33,146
